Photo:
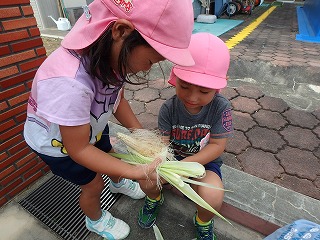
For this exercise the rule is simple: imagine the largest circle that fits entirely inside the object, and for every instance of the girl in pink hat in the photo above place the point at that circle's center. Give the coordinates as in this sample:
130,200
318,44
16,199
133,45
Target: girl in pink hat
80,85
196,122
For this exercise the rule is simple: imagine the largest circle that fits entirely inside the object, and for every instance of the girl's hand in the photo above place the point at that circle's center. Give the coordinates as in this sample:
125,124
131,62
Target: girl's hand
149,170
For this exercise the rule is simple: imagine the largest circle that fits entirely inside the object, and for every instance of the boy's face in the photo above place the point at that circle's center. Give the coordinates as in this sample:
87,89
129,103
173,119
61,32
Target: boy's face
193,97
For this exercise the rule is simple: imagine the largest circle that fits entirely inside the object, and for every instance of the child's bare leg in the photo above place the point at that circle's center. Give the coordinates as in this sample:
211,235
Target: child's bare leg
90,198
212,196
97,219
154,199
150,188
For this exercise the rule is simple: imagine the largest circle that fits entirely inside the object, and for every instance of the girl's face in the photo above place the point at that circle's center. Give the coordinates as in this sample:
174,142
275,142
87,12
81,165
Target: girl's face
141,59
192,96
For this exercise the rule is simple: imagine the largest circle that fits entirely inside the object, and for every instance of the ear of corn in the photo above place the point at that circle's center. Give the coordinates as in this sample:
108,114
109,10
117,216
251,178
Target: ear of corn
144,146
190,169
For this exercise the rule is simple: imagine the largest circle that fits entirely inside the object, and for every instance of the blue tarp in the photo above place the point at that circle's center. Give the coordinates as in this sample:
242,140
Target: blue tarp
309,21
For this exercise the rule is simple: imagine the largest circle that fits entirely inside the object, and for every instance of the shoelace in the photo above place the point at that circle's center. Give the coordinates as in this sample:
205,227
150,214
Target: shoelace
111,222
132,185
205,232
150,206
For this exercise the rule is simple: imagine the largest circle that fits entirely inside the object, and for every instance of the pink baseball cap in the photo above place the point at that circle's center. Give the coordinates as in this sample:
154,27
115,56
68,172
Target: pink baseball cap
165,24
212,59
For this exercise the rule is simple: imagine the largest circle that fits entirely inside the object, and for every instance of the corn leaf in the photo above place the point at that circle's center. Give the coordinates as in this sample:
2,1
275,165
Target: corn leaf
190,193
188,180
157,232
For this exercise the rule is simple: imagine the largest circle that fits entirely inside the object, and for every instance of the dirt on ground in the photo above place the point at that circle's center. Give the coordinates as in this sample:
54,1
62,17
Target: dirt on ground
51,44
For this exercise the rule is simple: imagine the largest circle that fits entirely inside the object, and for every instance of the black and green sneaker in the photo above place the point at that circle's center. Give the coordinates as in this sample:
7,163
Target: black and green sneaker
204,232
148,213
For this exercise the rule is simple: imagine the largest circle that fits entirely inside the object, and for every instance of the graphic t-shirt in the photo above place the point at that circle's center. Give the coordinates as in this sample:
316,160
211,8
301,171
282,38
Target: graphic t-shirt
189,133
63,93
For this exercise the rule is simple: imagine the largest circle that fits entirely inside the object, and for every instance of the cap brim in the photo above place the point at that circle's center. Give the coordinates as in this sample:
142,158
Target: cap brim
199,79
89,33
178,56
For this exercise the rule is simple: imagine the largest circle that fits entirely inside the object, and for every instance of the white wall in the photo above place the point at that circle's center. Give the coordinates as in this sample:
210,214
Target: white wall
42,9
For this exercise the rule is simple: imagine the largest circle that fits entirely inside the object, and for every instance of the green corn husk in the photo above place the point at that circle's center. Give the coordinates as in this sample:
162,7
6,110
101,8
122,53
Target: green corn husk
157,232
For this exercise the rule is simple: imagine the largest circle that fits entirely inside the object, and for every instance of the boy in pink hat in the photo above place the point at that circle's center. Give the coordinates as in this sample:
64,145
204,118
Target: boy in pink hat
80,85
196,122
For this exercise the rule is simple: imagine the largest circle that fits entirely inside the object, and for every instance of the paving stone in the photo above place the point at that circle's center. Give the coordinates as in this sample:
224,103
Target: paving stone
252,161
158,84
302,64
273,104
317,113
148,120
242,121
128,94
299,185
234,55
273,120
317,153
298,162
229,93
231,160
133,87
146,94
265,139
167,93
301,118
298,59
314,64
244,104
153,107
247,58
250,92
313,61
300,137
281,63
266,54
317,182
137,107
264,58
282,54
317,131
237,143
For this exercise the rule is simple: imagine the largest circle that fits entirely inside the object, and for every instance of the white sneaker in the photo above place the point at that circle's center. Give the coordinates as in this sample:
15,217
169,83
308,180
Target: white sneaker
108,227
127,187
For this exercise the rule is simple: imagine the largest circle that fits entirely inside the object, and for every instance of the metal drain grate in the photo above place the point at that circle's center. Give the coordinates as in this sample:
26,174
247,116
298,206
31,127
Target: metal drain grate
55,203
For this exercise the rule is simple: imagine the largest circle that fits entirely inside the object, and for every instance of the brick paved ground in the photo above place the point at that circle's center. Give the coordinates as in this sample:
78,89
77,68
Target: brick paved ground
272,139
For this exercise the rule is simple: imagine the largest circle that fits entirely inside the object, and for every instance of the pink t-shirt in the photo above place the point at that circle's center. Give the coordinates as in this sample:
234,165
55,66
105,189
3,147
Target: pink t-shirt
63,93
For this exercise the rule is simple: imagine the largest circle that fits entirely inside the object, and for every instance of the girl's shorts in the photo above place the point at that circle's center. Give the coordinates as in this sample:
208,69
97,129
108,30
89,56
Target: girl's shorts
68,169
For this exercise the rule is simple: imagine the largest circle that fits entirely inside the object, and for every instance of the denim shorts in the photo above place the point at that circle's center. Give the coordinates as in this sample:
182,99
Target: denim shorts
70,170
212,166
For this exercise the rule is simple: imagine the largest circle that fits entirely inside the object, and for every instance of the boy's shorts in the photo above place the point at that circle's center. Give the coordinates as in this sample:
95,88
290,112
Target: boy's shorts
68,169
214,167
